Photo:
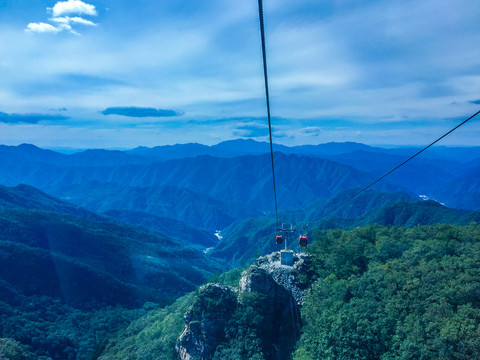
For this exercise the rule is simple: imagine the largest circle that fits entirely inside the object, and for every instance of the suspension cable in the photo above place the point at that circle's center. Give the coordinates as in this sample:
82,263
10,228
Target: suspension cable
265,76
403,163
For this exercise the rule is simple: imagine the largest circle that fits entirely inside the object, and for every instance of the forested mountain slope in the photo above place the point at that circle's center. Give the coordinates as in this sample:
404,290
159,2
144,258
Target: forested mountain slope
83,261
88,260
195,209
463,192
174,229
69,277
25,196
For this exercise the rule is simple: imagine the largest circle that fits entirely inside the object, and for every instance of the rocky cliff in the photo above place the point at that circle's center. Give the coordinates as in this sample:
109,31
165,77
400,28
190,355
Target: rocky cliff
259,319
205,322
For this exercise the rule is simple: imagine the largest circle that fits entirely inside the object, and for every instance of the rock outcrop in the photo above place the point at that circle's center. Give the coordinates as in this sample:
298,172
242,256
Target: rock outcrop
269,275
205,322
281,294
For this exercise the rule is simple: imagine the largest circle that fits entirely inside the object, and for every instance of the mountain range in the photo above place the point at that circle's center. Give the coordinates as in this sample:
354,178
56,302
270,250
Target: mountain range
222,171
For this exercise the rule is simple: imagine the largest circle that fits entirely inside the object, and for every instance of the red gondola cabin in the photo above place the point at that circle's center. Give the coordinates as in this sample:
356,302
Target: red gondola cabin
279,239
303,241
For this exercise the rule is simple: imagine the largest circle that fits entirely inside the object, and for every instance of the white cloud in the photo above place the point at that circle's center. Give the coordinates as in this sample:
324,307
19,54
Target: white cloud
42,28
75,20
65,22
73,7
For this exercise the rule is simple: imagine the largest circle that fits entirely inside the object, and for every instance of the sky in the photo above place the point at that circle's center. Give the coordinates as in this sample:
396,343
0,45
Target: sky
124,73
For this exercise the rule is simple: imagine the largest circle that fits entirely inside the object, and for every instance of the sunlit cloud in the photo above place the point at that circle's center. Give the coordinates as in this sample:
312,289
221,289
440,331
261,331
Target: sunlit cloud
73,7
73,20
42,28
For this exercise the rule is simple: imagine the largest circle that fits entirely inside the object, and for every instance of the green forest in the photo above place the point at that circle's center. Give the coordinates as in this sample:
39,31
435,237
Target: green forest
376,293
394,293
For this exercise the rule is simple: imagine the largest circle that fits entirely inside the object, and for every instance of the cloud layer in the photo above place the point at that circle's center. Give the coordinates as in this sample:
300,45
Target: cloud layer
29,118
251,131
140,112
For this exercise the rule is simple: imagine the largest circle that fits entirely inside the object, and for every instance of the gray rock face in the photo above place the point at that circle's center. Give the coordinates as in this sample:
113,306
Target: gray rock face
205,322
215,304
283,276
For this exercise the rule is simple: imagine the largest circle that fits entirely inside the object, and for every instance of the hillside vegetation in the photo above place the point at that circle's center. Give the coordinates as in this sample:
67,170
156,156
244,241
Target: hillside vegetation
394,293
154,335
101,262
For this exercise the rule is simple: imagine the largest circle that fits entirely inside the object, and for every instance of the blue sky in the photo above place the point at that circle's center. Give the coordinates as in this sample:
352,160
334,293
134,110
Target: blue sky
119,74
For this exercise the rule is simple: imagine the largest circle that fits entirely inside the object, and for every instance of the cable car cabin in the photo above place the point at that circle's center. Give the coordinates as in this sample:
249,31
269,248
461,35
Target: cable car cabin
303,241
279,239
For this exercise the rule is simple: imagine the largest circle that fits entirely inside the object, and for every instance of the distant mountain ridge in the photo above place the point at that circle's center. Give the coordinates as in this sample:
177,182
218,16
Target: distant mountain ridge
240,147
230,148
92,157
237,170
245,179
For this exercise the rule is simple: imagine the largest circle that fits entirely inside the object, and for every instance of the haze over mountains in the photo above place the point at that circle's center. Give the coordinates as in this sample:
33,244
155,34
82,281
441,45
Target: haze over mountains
238,171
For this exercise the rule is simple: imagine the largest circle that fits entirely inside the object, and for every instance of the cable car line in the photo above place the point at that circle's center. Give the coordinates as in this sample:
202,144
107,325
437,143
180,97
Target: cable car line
303,240
403,163
265,76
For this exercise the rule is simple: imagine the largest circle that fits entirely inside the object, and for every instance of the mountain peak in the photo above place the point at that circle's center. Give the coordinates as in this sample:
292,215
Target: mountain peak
27,146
